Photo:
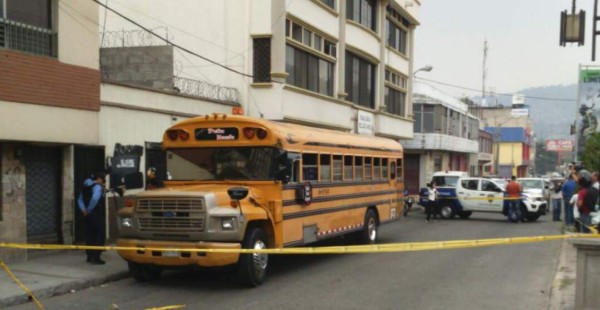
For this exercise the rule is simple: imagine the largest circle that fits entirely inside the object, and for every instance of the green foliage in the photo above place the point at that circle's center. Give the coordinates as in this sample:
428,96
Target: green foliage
591,156
545,161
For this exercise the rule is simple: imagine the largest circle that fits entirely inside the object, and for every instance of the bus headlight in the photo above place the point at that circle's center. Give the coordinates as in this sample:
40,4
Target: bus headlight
227,224
126,222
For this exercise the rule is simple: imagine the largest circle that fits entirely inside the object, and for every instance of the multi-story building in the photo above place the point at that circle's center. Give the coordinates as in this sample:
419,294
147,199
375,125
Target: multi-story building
336,64
514,146
49,115
445,137
485,155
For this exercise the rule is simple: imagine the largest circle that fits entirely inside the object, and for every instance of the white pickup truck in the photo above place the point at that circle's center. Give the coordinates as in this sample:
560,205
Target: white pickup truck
485,195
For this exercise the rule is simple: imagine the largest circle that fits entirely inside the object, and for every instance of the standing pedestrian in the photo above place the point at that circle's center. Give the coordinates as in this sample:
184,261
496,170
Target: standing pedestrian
556,198
90,204
431,207
587,199
513,189
568,190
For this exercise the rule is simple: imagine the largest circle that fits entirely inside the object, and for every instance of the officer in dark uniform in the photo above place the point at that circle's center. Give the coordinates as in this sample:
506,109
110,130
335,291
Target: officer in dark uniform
90,204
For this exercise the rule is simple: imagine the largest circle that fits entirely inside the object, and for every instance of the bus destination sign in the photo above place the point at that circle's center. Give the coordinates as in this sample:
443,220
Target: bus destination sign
217,134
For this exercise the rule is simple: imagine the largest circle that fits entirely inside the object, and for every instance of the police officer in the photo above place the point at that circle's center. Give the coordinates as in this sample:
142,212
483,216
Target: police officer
90,204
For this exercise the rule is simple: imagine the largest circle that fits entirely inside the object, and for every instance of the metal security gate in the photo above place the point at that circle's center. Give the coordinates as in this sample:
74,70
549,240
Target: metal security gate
411,173
43,194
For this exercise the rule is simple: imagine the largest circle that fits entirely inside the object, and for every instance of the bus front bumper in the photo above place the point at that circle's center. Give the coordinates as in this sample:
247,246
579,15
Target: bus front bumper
173,253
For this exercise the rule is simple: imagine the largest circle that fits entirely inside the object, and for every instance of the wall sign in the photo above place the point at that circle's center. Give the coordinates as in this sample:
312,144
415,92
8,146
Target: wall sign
365,123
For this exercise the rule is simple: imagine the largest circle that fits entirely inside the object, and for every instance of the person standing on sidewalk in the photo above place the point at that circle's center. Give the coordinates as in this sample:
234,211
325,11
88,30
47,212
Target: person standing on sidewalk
431,207
568,190
513,189
586,200
556,197
90,204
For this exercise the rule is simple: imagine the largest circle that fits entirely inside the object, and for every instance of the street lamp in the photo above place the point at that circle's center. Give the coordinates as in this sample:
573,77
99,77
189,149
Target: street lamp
426,69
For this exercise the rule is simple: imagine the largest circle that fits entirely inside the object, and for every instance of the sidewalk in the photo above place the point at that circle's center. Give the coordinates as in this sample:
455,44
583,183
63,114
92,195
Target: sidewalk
562,295
58,273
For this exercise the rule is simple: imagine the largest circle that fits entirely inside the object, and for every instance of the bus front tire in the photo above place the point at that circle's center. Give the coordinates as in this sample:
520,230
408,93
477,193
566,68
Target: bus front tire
370,229
144,273
252,268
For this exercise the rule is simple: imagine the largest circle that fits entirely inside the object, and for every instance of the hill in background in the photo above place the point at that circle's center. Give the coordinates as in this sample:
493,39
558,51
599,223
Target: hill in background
551,118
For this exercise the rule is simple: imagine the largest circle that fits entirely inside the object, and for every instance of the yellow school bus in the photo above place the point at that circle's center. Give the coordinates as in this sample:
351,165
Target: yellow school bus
238,182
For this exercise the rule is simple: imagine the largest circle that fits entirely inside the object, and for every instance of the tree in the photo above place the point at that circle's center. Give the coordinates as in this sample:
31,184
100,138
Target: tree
545,161
591,156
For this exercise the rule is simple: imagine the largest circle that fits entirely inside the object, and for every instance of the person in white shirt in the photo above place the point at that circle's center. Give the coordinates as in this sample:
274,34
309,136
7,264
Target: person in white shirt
431,207
573,203
595,182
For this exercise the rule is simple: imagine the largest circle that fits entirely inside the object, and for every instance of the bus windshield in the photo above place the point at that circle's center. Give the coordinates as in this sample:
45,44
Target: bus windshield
224,163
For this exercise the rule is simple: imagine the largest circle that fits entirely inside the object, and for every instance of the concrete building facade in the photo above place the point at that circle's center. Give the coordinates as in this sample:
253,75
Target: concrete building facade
445,137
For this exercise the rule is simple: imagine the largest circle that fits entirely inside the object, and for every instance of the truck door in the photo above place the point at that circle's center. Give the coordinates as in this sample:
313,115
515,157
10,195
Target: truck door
491,197
467,192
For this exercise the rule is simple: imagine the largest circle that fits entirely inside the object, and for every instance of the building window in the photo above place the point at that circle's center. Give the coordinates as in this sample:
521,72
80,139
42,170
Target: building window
262,60
396,31
424,118
360,81
395,93
26,25
312,65
363,12
329,3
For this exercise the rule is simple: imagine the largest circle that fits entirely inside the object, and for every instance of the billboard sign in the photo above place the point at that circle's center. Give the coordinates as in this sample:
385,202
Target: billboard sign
588,104
520,112
559,145
518,99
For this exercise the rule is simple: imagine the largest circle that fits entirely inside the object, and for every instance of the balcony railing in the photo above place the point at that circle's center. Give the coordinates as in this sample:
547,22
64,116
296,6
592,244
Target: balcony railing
27,38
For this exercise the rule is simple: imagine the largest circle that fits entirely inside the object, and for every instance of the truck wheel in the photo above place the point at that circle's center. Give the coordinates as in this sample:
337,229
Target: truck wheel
369,233
465,214
447,212
252,268
144,273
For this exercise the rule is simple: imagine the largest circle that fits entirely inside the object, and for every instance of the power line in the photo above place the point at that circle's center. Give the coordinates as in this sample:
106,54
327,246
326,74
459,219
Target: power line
173,44
501,94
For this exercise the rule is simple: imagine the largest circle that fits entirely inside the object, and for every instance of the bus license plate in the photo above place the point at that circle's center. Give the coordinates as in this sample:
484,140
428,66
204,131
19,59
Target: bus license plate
170,253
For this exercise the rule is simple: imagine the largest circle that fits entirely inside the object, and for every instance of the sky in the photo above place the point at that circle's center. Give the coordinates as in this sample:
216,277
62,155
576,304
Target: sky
523,44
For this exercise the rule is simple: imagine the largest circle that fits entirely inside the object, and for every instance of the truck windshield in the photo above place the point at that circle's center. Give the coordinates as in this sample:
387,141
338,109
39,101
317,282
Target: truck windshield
225,163
532,184
447,181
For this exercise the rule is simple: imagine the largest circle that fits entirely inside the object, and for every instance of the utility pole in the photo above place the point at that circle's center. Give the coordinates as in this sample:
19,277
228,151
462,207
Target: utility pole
483,77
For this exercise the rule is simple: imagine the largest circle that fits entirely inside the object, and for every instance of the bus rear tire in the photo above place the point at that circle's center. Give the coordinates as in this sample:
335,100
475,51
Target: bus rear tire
144,273
368,235
252,268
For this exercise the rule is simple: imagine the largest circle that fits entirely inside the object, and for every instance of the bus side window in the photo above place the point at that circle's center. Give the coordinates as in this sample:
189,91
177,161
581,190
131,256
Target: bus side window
384,168
337,167
348,168
325,168
309,167
393,170
399,166
377,168
358,168
294,170
368,168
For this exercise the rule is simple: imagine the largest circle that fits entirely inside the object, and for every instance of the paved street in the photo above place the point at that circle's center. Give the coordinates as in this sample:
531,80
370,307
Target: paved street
507,277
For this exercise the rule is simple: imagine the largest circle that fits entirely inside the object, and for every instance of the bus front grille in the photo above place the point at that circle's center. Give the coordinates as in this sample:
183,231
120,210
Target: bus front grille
171,215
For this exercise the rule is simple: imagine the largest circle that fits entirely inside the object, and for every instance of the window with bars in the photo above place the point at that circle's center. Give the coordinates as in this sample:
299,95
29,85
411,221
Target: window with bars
262,60
363,12
360,81
26,25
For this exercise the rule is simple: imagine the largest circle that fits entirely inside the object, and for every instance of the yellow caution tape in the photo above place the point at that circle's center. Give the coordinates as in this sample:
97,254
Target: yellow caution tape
27,290
167,307
376,248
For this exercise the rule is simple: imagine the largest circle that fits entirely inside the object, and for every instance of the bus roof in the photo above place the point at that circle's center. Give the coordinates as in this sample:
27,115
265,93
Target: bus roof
289,136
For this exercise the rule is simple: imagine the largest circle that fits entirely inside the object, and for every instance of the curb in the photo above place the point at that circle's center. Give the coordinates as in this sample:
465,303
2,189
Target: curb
62,288
562,292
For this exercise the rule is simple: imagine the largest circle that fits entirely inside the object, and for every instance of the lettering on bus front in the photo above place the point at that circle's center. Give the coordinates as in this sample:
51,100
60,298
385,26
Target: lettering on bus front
217,134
